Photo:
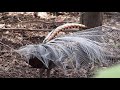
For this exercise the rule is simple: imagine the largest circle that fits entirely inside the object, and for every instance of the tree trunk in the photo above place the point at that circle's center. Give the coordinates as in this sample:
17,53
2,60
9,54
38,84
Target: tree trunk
92,19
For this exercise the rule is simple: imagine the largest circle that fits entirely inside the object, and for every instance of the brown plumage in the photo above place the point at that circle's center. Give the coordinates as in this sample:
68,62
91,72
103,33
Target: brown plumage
61,28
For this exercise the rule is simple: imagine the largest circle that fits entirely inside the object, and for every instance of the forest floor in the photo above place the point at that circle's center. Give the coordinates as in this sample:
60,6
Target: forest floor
12,65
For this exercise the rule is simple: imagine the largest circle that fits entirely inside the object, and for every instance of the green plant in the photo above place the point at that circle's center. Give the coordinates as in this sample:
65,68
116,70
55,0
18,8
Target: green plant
111,72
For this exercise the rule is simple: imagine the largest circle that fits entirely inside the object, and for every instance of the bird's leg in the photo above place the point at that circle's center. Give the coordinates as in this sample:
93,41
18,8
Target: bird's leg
48,73
41,72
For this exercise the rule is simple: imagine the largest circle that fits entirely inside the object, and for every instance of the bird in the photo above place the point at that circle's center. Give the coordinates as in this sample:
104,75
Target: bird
72,50
34,61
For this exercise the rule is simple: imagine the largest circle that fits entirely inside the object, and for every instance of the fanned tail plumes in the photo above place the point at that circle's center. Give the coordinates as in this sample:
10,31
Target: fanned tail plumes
95,45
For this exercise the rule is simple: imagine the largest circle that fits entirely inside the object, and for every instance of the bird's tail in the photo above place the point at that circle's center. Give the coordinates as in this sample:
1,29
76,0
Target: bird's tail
54,32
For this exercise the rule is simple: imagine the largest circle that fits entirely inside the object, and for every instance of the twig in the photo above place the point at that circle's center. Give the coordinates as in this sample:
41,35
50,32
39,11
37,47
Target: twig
24,29
45,22
112,13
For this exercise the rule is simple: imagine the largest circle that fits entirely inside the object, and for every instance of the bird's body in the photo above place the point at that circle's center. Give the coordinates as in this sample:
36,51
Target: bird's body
36,63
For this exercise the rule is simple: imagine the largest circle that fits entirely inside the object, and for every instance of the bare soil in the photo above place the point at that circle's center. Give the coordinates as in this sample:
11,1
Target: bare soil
12,65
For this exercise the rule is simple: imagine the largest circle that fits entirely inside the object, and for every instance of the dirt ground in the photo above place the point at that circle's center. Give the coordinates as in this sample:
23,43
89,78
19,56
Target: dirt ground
13,66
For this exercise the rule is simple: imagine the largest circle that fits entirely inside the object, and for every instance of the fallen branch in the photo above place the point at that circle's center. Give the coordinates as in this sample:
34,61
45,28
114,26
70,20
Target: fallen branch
112,13
45,22
24,29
